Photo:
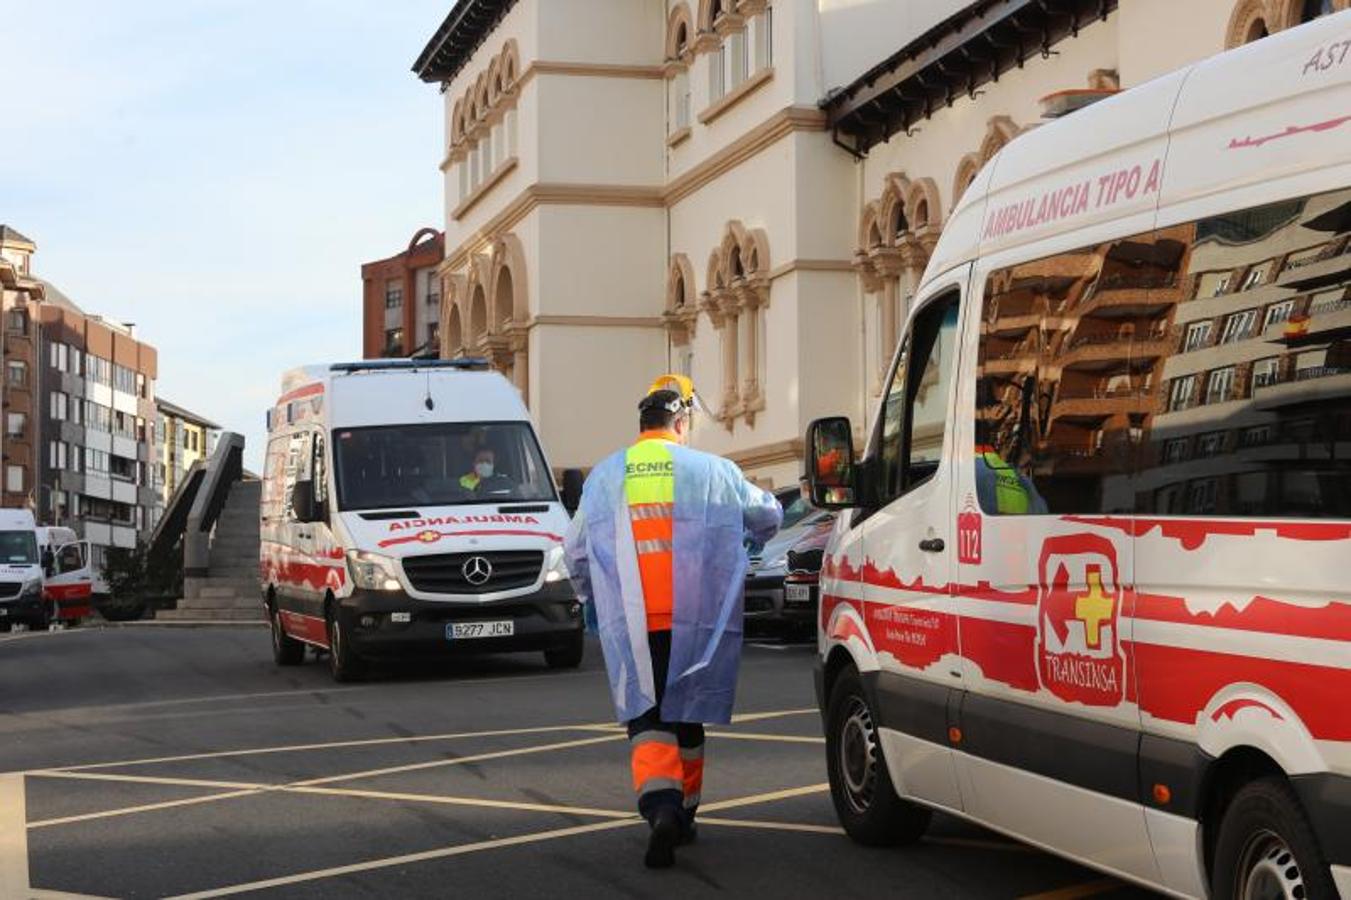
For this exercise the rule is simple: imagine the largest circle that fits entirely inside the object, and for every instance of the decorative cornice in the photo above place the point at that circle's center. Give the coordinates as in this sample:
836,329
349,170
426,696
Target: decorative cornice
478,193
588,70
679,136
810,265
779,125
735,96
767,454
596,321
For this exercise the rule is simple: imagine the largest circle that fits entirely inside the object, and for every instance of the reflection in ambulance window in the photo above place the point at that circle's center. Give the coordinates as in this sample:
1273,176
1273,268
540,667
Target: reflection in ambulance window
1200,369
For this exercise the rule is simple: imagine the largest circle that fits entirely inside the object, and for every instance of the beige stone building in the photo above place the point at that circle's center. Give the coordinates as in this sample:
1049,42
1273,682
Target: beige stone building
745,191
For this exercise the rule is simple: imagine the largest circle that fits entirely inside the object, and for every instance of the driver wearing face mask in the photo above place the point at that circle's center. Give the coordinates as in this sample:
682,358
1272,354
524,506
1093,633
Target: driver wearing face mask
484,469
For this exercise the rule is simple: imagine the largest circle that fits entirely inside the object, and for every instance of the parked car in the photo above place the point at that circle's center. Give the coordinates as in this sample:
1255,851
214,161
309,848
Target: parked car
801,586
766,607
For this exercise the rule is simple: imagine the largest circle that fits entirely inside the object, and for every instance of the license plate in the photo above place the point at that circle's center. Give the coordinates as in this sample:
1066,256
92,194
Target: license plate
456,631
797,593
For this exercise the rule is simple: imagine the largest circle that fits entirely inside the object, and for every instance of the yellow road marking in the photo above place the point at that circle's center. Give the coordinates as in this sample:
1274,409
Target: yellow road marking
463,849
1075,891
13,837
773,826
765,798
40,894
783,738
237,789
331,745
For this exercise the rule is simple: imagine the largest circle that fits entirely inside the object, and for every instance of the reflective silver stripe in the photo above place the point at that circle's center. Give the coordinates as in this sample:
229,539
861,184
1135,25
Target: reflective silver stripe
654,547
691,801
652,511
653,737
692,752
659,784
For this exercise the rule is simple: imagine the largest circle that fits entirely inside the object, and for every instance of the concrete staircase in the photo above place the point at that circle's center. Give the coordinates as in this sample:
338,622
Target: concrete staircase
230,590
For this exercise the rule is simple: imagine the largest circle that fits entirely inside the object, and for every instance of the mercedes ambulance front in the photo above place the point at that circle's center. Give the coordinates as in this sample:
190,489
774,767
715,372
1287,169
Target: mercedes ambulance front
408,508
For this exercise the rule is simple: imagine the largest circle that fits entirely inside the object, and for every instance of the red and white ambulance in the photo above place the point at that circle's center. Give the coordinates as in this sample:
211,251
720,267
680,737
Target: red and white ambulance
1091,585
407,508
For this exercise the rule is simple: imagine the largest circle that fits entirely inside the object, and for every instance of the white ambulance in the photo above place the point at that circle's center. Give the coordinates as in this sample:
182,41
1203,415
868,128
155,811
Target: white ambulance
1092,586
407,507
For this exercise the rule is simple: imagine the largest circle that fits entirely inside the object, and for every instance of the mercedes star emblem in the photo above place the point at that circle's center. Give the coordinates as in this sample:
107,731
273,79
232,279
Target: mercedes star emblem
477,570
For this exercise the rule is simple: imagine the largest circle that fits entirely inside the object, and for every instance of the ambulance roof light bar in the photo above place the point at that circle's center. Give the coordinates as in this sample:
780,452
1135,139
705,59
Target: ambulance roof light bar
468,364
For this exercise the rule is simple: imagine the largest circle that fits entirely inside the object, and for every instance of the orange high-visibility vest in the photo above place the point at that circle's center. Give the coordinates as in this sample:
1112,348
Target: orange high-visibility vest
649,488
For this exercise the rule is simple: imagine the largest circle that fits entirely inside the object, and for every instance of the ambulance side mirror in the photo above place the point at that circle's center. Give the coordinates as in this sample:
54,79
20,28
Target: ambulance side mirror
831,472
572,490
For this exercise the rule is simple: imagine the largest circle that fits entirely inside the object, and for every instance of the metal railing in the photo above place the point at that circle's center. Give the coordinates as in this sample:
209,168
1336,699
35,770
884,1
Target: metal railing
223,470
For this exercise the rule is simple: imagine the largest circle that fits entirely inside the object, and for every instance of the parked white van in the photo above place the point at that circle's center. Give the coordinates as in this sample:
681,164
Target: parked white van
407,507
20,572
1092,588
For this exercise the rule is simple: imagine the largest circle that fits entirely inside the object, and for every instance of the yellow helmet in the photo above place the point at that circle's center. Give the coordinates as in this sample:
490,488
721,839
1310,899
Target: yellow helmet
681,385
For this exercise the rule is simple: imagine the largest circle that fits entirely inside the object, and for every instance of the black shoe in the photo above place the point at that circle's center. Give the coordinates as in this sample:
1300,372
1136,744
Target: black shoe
666,829
689,833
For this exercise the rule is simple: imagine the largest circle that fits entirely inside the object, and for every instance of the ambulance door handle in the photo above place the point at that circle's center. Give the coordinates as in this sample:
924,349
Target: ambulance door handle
932,545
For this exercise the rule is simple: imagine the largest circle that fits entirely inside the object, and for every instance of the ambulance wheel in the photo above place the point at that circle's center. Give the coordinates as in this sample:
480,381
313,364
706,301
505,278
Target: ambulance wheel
286,650
860,786
343,662
1267,848
568,656
5,627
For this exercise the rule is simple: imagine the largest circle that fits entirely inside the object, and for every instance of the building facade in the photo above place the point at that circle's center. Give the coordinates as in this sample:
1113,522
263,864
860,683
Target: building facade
748,191
182,438
401,299
79,403
20,296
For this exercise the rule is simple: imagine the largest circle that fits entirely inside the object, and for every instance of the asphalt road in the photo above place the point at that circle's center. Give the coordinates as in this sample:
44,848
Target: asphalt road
154,762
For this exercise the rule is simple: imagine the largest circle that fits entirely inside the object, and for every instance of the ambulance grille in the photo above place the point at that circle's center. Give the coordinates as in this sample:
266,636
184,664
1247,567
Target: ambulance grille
9,588
444,573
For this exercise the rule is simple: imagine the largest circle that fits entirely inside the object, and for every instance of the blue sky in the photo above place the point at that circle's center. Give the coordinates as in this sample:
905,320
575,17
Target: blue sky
216,171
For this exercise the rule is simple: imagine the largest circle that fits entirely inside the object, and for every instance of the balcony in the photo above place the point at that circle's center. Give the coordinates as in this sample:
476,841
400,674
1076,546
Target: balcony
1109,350
1100,405
1019,361
1125,295
1306,387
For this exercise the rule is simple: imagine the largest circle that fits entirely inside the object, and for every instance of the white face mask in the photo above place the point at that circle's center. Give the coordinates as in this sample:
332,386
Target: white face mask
483,469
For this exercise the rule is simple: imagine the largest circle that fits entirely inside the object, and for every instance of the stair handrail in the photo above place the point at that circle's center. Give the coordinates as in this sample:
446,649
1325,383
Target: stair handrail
223,470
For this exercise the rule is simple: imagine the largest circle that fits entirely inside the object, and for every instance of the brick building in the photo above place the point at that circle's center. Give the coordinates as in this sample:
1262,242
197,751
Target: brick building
401,299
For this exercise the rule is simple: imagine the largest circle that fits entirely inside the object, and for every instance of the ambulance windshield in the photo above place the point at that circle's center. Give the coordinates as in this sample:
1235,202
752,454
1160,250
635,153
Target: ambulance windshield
18,548
446,464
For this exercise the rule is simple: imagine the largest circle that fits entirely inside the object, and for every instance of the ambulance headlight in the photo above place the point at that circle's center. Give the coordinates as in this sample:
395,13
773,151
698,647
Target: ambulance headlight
32,588
555,566
373,572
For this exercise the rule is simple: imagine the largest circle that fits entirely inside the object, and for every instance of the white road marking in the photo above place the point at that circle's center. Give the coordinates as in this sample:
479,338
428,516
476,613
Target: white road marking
784,738
761,716
773,826
764,798
13,837
479,846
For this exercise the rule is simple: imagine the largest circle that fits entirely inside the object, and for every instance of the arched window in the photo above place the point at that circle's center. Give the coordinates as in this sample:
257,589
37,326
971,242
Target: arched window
454,340
504,301
922,213
1256,31
899,226
478,314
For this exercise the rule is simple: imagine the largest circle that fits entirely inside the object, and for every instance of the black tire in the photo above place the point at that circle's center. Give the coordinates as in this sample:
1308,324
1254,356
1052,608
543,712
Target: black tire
286,650
343,663
5,627
860,785
1267,848
567,656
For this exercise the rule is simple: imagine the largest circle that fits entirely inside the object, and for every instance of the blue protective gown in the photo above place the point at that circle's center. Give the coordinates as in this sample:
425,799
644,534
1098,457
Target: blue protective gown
716,508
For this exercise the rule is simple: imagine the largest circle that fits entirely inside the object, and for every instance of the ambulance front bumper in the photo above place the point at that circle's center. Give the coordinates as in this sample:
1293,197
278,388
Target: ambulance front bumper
391,623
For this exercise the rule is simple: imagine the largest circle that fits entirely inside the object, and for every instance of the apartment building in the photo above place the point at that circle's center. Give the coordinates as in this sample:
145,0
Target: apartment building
748,191
20,296
401,299
182,438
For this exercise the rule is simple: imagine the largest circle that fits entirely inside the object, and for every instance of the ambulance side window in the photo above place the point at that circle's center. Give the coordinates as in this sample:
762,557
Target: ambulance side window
318,470
298,468
916,408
